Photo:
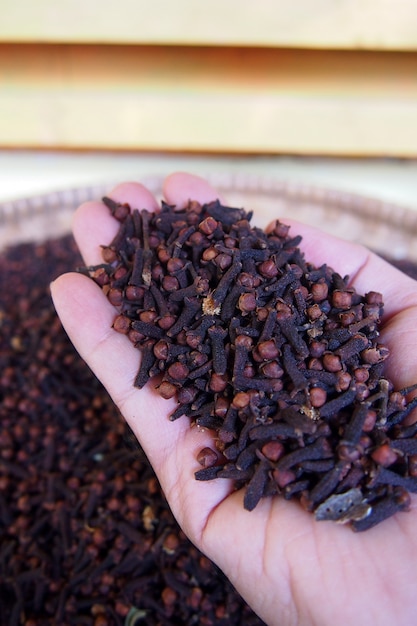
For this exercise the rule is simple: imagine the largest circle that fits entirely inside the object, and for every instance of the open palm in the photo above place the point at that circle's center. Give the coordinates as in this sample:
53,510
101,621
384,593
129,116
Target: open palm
291,569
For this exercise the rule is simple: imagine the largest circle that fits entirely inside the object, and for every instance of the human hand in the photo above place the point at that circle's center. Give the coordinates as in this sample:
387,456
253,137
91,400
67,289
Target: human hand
291,569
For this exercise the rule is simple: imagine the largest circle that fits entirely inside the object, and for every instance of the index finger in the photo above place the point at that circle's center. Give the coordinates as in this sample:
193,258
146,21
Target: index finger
94,226
366,270
369,272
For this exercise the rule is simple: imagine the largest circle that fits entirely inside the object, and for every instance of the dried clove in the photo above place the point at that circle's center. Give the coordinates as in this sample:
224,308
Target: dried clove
87,536
274,351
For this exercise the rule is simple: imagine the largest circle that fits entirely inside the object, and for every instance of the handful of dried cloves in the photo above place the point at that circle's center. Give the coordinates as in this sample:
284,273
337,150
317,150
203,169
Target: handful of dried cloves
280,358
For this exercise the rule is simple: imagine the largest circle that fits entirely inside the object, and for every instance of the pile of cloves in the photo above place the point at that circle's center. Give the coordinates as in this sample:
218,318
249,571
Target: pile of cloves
86,534
278,357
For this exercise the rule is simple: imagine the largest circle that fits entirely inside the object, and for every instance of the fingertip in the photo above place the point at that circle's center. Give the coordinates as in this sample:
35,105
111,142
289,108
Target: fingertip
58,287
93,225
180,187
82,306
135,194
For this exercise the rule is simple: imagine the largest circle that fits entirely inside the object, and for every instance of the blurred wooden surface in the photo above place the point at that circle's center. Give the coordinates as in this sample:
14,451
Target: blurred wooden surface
239,77
205,99
361,24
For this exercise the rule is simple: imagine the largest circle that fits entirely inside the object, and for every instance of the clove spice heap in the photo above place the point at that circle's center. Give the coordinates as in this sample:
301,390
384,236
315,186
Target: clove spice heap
281,359
86,534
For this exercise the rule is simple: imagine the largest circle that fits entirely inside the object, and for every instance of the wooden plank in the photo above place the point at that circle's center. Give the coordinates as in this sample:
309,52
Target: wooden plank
362,24
205,99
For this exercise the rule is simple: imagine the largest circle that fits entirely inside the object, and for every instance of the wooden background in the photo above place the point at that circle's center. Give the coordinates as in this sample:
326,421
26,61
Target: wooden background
233,76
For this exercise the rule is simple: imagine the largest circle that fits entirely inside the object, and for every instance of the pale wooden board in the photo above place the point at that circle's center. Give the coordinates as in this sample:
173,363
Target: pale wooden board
363,24
208,99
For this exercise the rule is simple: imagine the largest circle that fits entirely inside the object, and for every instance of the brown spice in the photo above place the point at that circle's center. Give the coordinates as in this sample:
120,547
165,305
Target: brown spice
207,457
74,483
273,351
